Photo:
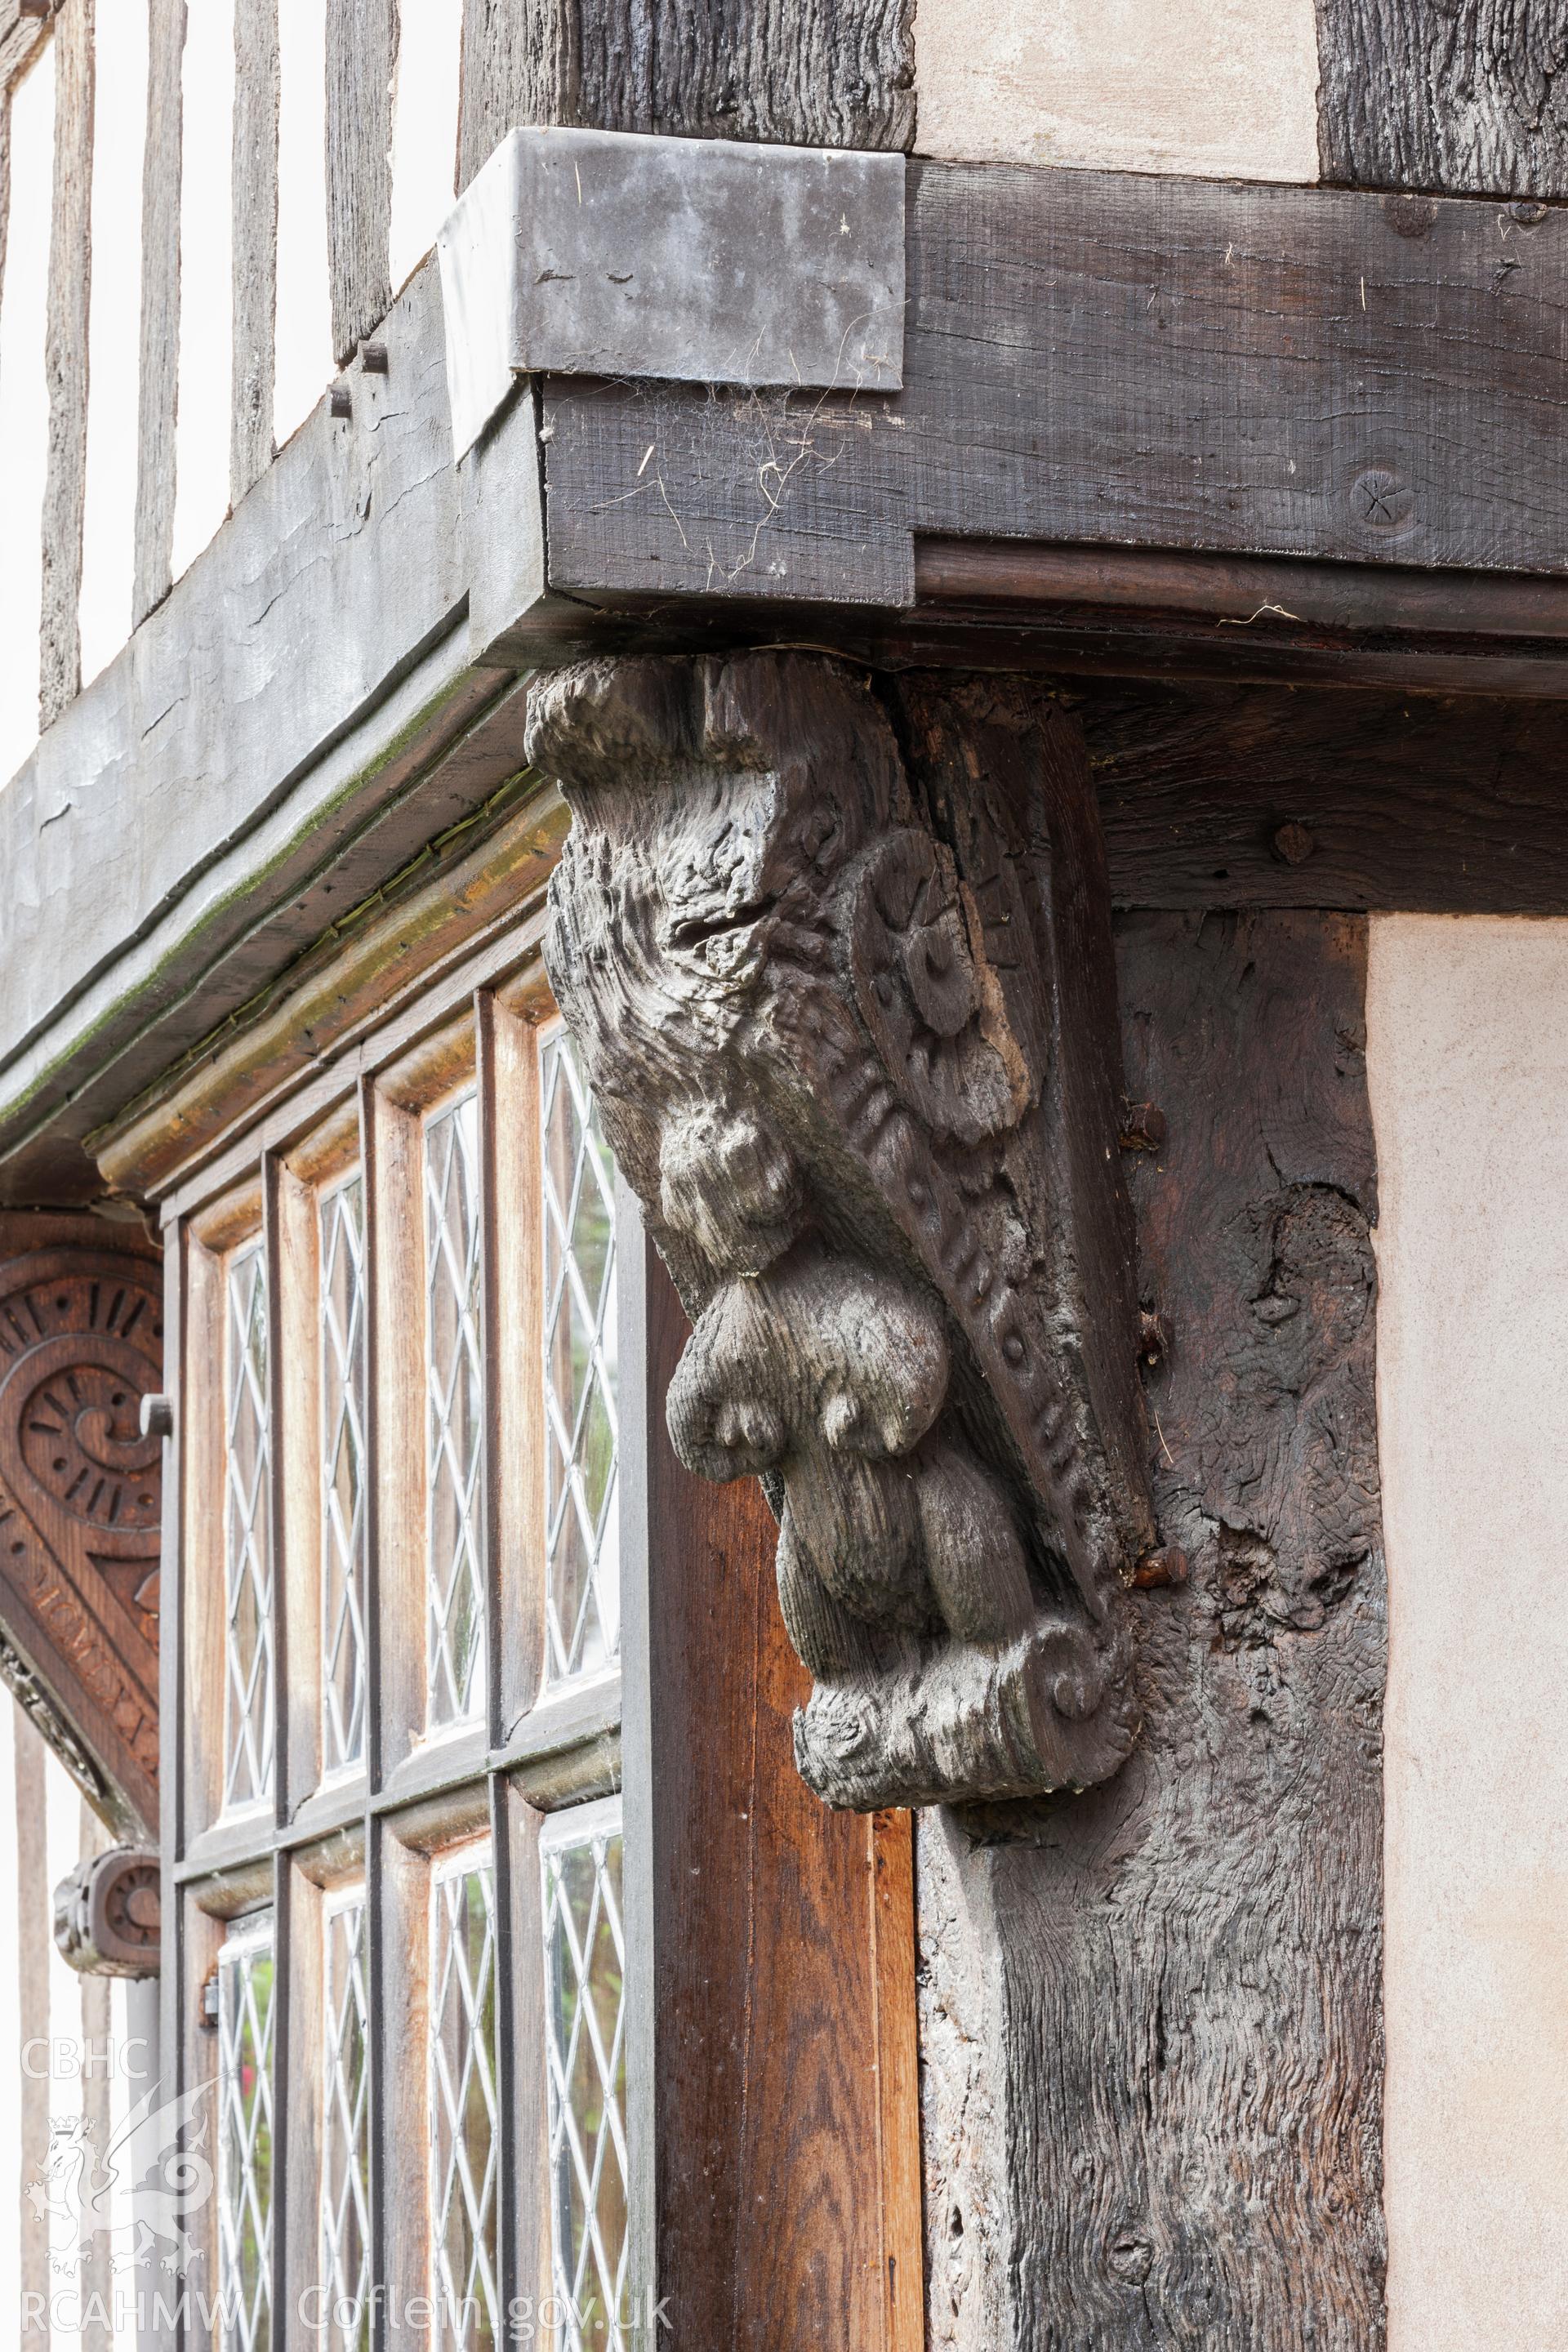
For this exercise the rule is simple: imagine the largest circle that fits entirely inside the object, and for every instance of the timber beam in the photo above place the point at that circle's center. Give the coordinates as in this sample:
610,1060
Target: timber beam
1107,360
1135,427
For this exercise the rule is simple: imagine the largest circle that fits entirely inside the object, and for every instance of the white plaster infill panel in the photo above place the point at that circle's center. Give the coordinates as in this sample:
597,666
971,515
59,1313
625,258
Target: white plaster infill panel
1215,87
1468,1067
700,260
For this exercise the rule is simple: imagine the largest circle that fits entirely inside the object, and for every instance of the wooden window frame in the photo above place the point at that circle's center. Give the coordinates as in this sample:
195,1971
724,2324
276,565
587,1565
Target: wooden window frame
697,1784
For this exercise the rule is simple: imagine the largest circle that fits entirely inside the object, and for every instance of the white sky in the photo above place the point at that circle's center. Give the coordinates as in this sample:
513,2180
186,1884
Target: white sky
424,128
305,326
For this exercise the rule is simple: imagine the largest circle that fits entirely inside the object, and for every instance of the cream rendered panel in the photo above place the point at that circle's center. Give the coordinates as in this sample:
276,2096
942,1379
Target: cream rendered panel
1467,1063
1216,88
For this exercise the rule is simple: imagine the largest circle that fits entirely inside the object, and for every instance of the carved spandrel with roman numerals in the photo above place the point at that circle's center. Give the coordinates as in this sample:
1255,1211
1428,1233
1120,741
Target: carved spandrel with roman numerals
80,1506
849,1015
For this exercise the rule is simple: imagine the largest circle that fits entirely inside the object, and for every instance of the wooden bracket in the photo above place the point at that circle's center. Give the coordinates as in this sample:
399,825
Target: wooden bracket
81,1503
108,1917
851,1026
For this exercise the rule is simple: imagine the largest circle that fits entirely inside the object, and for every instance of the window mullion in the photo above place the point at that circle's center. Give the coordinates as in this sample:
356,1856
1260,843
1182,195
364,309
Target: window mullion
395,1432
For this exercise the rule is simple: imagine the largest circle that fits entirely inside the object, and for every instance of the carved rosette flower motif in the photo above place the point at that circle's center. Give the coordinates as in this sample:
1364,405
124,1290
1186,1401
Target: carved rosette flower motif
852,1032
108,1914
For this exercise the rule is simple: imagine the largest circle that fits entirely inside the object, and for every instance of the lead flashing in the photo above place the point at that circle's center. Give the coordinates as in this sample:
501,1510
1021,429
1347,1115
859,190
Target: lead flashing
698,260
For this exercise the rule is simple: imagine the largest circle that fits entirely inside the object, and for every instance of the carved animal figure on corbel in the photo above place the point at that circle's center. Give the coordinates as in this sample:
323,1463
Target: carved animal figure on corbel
853,1039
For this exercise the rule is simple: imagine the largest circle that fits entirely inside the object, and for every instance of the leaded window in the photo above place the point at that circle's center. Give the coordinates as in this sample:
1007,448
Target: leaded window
582,1490
344,1499
345,2128
398,1431
245,2010
247,1556
463,2101
586,1959
455,1564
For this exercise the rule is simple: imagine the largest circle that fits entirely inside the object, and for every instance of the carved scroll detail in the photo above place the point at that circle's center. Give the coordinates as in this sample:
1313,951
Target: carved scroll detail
108,1915
80,1507
852,1032
47,1721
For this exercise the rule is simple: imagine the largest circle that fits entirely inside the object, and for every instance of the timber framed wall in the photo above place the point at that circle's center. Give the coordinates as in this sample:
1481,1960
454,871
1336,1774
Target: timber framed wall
1240,441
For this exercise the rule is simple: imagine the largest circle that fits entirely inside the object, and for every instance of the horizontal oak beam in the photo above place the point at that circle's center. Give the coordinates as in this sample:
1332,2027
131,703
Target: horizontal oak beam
1113,360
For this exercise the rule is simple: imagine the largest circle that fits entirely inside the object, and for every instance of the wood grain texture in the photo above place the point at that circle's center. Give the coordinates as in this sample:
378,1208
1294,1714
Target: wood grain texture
361,67
1415,803
293,1372
826,73
768,2002
298,2072
1195,614
1102,359
1175,1998
862,1069
65,359
20,38
97,2275
80,1344
1468,96
255,201
159,353
30,2089
893,1940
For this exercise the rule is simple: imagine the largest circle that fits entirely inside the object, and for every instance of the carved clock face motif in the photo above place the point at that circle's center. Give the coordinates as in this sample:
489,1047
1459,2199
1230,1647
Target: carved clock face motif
81,1440
131,1907
80,1492
71,1399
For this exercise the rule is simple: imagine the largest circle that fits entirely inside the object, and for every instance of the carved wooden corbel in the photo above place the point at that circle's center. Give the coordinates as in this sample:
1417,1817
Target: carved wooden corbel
107,1915
851,1024
81,1503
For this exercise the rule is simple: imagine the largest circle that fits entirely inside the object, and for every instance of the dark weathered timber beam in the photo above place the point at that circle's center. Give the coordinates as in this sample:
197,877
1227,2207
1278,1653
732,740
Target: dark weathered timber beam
1469,96
1254,797
1246,616
823,73
1113,360
1159,2034
81,1485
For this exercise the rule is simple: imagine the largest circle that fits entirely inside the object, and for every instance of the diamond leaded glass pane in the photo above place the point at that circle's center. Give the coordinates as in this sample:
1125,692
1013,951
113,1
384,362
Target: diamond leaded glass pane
342,1343
454,1382
244,2139
247,1566
584,1951
345,2134
463,2104
582,1498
